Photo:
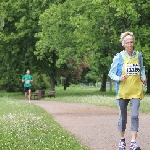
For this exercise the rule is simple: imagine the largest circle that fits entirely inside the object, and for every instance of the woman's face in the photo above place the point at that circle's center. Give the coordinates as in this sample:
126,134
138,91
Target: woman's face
129,45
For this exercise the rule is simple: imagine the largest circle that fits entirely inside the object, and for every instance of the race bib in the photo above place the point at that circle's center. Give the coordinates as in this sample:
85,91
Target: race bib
27,81
132,69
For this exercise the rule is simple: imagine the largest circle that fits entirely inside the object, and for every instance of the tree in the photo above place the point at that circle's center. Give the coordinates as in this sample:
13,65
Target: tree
135,17
56,41
94,31
83,30
72,72
17,41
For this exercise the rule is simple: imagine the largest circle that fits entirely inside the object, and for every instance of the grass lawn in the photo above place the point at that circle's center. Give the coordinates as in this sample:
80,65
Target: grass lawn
92,95
24,126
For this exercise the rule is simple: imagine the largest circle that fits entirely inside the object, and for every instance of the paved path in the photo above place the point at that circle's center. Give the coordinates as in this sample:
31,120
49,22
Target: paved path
95,126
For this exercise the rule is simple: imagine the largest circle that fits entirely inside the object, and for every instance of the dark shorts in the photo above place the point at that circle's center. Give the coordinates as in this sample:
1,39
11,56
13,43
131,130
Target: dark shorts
26,89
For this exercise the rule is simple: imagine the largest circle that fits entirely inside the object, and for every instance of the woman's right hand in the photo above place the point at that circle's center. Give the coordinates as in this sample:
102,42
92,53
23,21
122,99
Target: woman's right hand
123,77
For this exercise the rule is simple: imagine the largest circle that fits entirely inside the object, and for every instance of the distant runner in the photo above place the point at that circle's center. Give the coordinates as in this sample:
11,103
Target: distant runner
27,79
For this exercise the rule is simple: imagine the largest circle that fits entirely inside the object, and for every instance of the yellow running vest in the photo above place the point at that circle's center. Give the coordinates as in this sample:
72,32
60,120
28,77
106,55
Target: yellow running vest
132,86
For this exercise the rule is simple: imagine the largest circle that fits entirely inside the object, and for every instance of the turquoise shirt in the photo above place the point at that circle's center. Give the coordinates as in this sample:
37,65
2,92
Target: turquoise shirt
113,70
27,79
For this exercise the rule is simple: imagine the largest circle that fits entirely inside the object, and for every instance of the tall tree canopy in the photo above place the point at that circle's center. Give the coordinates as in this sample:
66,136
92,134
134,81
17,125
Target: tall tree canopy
17,41
90,29
47,35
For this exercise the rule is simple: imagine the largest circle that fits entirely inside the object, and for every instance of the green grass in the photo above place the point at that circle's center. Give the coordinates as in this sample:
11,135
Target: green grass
87,95
24,126
92,95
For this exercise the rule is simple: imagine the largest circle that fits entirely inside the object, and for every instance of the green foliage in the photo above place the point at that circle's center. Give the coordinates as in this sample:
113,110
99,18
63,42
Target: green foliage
135,17
17,41
41,81
73,29
56,36
45,38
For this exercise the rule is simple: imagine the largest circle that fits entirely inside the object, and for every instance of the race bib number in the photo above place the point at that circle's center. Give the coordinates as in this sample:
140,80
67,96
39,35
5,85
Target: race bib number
27,81
132,69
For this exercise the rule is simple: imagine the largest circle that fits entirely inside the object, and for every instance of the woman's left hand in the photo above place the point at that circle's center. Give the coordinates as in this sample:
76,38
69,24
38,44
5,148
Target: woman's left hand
143,80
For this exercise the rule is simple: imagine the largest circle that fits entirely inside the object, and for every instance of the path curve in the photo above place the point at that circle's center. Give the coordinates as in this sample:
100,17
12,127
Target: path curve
95,126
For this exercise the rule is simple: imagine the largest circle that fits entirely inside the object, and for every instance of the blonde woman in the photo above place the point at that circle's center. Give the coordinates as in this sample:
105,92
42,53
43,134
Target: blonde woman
129,73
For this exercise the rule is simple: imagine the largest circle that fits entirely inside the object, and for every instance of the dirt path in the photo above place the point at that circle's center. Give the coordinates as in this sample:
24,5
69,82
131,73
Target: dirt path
95,126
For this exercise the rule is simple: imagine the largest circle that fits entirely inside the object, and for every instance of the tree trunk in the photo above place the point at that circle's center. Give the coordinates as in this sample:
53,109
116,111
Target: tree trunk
148,81
103,85
52,83
53,74
110,85
66,82
65,86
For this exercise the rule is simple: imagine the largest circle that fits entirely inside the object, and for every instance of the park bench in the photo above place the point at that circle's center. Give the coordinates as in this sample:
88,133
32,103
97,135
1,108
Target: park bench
34,95
50,94
38,94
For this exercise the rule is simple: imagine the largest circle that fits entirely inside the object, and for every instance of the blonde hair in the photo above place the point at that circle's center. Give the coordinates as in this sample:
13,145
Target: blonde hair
123,35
